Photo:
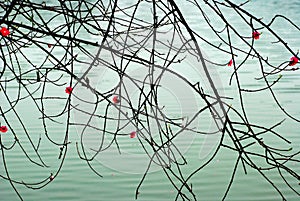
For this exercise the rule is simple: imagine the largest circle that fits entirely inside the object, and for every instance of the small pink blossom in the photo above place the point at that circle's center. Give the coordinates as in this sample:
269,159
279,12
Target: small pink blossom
116,99
132,134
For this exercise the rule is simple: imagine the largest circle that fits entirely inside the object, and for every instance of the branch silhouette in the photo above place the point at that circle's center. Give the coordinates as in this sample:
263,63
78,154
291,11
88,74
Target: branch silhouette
54,54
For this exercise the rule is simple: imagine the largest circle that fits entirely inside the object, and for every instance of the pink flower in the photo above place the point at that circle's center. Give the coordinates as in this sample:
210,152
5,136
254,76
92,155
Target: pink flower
132,134
294,61
4,31
69,90
256,35
230,63
3,129
116,99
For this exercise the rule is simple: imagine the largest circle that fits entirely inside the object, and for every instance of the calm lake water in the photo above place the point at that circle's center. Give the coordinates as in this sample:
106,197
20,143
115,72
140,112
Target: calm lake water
120,177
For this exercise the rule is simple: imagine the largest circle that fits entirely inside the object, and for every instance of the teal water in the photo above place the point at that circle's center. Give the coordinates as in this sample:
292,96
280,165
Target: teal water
77,182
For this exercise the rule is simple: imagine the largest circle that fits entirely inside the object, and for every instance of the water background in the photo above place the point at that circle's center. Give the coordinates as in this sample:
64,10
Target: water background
77,182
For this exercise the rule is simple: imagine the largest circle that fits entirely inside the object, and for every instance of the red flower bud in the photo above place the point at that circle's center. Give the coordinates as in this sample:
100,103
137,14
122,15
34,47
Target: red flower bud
294,61
4,31
69,90
256,35
3,129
